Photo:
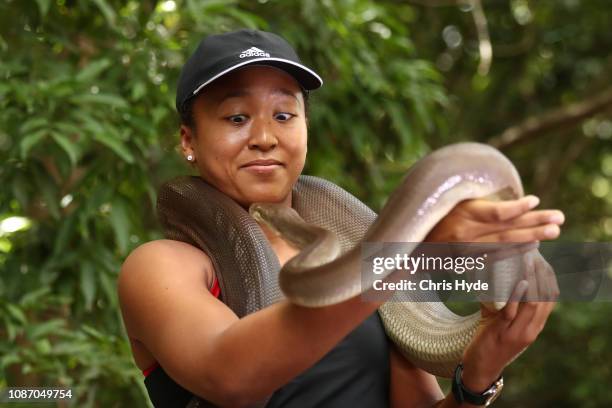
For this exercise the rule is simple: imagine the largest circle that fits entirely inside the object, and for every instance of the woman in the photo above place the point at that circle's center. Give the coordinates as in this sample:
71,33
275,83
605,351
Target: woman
242,99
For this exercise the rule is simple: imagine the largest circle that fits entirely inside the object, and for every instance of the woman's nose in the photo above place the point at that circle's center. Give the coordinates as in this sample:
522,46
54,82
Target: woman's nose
262,136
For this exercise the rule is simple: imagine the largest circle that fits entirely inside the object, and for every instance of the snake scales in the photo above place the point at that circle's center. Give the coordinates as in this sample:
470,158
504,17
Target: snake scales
428,333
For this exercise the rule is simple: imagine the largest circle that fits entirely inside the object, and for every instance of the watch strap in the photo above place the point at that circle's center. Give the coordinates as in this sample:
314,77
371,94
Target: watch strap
463,394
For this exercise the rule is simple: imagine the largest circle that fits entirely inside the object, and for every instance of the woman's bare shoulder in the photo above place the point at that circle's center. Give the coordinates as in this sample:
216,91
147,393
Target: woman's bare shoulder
167,249
166,259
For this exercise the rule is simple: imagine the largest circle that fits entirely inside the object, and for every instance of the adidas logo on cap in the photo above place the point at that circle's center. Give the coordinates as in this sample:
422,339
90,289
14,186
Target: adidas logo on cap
254,52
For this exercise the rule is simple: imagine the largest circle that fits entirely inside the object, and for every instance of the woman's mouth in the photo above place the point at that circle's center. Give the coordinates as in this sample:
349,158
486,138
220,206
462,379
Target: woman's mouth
262,166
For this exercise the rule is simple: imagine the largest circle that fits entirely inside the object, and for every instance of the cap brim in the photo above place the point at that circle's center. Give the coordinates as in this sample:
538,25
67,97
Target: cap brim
307,78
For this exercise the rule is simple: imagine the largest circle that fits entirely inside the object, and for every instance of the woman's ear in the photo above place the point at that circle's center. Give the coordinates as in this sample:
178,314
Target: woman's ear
187,140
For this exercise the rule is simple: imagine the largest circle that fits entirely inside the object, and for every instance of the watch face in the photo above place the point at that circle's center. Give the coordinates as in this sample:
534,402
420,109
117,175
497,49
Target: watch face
495,391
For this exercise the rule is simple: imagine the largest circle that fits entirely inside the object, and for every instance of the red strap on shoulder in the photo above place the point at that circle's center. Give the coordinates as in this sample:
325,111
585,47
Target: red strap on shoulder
149,369
215,290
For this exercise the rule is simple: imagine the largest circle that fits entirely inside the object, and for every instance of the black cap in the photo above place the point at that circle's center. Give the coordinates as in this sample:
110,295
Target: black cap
220,54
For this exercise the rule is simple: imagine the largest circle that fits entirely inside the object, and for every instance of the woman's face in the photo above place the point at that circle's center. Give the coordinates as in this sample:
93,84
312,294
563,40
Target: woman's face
250,134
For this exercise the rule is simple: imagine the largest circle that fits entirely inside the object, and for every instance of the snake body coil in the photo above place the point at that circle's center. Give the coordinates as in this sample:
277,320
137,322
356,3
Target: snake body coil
327,271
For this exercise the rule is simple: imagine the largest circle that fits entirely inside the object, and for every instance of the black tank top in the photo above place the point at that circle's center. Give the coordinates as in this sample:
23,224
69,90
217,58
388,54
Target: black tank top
354,374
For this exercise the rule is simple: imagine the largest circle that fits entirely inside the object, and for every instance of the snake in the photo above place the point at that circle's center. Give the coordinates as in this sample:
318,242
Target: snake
329,226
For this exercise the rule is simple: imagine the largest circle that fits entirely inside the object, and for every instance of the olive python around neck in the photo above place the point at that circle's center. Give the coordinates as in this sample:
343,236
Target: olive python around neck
426,332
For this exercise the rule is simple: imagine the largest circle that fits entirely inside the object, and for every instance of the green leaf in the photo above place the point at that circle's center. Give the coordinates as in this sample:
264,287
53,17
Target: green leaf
248,20
102,99
43,6
107,10
93,332
90,124
65,233
16,313
20,190
108,287
72,349
138,90
202,8
9,359
44,329
43,346
68,128
48,189
28,142
11,330
70,147
115,145
34,296
32,123
88,283
121,224
399,119
93,70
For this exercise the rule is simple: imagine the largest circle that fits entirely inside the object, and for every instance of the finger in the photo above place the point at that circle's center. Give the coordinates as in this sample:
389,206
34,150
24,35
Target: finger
527,220
544,284
533,314
551,279
540,317
527,309
541,233
524,316
530,274
542,274
496,211
539,217
511,308
556,289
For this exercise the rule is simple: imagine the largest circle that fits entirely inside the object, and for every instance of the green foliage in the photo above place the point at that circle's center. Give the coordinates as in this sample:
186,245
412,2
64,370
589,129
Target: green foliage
546,55
88,131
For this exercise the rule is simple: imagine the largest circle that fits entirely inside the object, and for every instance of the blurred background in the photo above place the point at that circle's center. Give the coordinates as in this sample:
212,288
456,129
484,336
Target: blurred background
88,131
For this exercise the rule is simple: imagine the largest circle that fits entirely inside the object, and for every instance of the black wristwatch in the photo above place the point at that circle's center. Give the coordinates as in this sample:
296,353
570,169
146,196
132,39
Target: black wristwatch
462,394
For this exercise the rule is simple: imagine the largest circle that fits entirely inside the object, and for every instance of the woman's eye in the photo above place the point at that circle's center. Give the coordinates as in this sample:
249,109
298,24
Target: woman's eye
283,116
237,119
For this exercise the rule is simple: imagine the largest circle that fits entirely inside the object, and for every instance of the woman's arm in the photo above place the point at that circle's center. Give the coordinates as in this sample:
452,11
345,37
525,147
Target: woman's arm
410,386
203,345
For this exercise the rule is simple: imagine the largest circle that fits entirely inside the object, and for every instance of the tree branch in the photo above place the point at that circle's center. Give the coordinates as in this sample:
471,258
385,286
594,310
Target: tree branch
484,39
569,115
547,186
480,21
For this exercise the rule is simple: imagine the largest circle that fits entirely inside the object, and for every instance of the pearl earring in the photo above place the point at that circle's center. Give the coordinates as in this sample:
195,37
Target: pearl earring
189,158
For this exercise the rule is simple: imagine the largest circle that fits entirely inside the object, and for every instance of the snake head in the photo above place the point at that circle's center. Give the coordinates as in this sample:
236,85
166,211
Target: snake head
258,211
264,214
285,222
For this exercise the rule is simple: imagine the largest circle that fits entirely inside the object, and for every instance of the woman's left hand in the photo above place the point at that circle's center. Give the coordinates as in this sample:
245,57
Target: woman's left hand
503,335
